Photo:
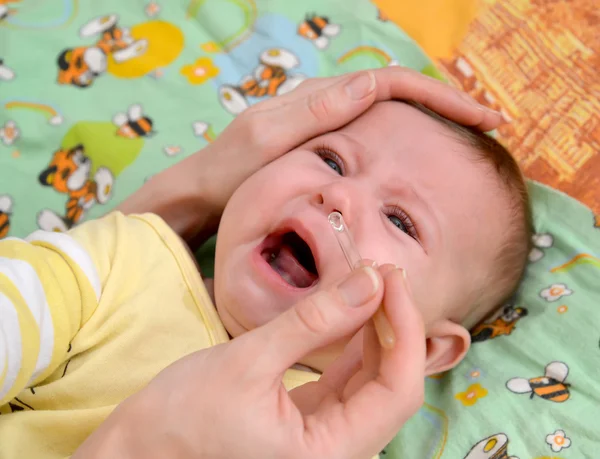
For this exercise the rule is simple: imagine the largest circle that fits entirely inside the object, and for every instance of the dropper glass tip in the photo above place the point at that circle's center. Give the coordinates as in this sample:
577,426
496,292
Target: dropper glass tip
336,220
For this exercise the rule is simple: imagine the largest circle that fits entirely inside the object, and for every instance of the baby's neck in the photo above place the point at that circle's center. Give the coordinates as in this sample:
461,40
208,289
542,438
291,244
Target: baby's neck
209,283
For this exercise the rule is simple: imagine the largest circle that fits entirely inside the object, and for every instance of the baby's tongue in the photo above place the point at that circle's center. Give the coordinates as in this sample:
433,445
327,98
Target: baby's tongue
290,269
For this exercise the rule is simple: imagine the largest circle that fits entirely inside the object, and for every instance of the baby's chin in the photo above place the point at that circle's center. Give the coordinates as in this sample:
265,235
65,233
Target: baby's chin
232,326
244,303
238,319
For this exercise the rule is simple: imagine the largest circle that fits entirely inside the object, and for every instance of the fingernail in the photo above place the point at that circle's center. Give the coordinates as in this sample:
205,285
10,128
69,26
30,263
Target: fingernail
359,287
498,113
361,86
486,109
405,280
366,262
404,275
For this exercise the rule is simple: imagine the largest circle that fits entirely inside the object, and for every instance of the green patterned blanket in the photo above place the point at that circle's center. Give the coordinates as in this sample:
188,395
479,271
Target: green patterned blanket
96,97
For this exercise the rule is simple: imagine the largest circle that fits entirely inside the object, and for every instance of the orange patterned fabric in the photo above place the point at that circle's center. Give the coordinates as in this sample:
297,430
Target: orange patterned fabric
538,62
437,25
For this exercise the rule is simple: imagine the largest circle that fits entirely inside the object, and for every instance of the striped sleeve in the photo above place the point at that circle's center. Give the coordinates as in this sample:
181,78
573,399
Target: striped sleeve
49,287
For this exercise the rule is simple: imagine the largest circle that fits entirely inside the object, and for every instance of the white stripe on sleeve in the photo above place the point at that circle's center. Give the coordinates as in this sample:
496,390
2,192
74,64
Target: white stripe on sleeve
10,344
27,282
70,247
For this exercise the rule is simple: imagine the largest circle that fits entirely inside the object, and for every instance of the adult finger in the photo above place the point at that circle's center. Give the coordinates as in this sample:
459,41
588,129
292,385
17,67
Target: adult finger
407,322
314,84
311,397
371,344
317,320
382,405
361,353
362,349
318,111
370,353
403,83
336,375
302,90
397,82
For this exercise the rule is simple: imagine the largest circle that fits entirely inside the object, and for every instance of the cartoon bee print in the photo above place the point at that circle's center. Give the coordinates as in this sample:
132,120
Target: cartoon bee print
6,204
5,11
318,29
270,78
80,66
6,73
551,386
503,325
493,447
133,124
69,172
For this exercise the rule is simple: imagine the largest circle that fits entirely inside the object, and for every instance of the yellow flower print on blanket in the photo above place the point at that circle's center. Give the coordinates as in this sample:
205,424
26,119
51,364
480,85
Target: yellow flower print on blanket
555,292
200,71
558,440
472,394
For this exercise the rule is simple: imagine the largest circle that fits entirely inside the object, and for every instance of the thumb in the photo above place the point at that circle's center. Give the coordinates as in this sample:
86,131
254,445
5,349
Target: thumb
319,319
322,109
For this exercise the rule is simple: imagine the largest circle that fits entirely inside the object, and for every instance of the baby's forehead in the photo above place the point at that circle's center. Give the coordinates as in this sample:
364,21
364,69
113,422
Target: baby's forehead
392,129
409,152
392,112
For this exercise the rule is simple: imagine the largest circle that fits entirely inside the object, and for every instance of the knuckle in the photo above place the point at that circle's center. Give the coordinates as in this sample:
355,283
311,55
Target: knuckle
320,105
312,315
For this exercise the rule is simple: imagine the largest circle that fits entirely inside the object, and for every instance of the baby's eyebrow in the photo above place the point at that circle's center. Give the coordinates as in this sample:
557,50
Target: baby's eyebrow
359,150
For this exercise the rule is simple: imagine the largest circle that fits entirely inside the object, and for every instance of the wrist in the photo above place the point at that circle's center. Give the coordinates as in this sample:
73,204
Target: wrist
180,195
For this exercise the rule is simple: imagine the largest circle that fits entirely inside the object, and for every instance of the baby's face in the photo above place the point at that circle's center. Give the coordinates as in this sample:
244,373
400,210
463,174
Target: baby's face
411,194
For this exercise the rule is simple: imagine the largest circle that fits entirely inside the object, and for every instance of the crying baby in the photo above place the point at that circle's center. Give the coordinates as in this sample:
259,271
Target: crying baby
446,203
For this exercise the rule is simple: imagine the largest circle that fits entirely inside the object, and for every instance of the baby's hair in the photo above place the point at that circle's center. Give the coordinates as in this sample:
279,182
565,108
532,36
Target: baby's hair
511,258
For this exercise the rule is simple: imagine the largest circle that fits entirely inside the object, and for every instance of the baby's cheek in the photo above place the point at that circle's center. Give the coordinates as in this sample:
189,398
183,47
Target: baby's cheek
434,304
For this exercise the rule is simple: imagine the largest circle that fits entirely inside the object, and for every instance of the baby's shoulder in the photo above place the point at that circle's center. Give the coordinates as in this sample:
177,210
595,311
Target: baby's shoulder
118,240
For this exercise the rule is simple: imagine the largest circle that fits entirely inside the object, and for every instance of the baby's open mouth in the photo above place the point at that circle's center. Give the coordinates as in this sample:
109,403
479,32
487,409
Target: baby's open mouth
291,257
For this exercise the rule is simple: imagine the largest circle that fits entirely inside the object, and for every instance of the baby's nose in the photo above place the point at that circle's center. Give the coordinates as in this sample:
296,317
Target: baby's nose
335,198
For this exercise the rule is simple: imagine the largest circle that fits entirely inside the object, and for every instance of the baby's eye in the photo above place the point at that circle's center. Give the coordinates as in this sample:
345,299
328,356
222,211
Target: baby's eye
332,159
335,166
396,221
401,220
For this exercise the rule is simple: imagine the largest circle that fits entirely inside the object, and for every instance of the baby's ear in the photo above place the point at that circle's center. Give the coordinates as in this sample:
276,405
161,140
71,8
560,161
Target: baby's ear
447,344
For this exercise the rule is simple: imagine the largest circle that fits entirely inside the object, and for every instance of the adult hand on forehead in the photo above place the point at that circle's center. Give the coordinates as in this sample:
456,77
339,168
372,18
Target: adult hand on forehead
229,400
192,194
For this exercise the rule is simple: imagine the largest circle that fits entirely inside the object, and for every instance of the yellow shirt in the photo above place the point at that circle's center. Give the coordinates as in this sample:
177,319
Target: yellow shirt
88,318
